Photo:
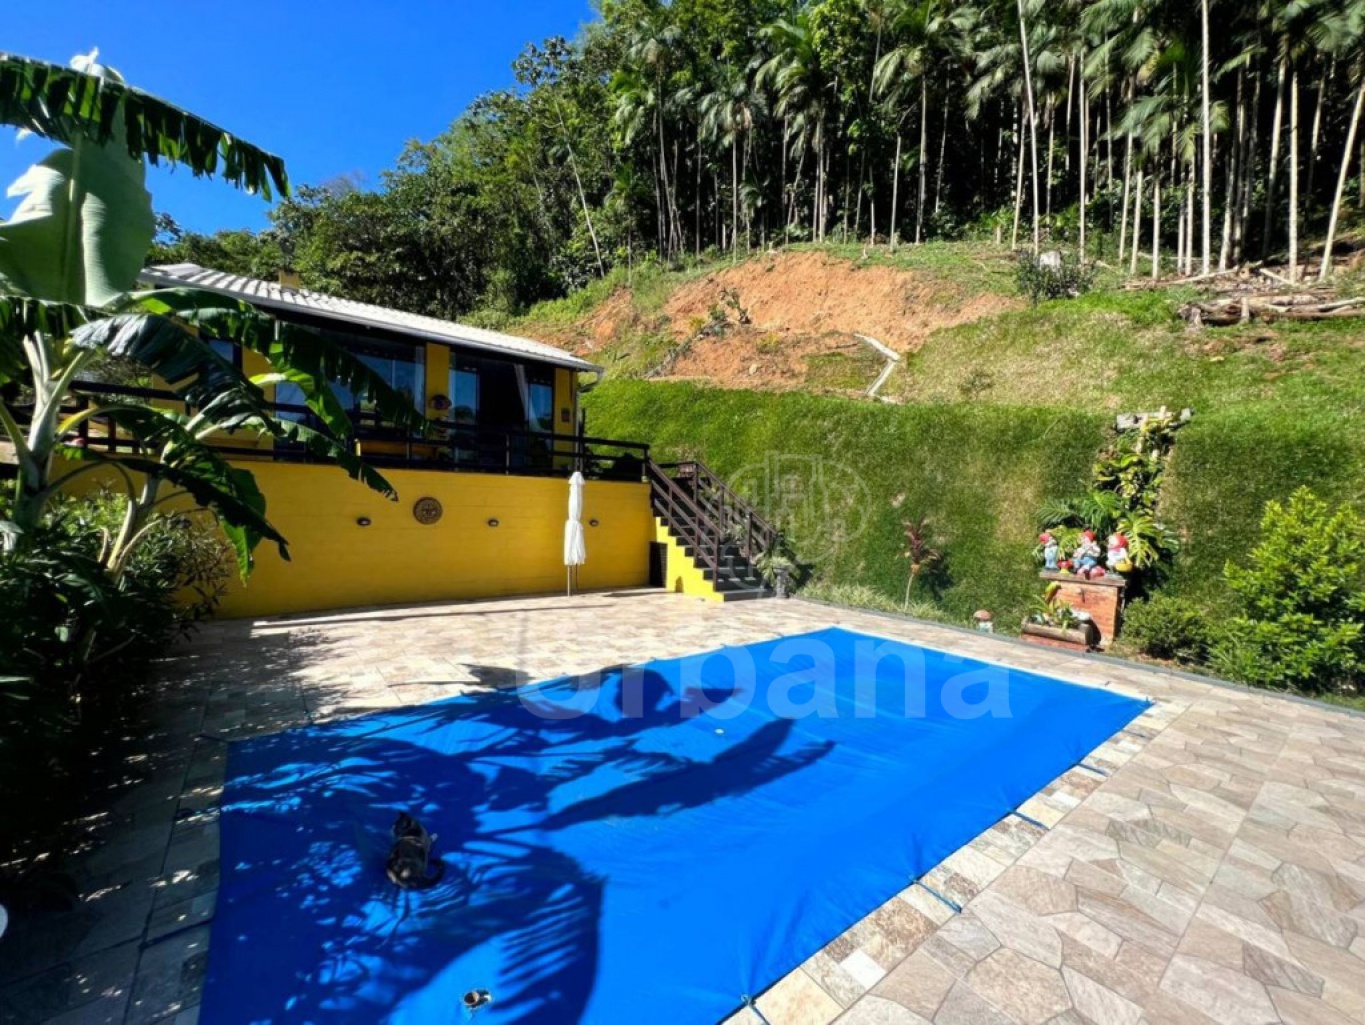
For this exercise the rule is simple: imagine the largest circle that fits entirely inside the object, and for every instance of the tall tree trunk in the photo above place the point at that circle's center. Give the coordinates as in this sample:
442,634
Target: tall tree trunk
1239,248
1233,173
895,189
1085,155
923,163
1128,179
785,203
1190,203
1208,137
1018,187
582,196
1180,231
1070,94
1051,149
1294,173
1032,124
1347,153
734,196
1323,81
1277,128
1137,223
696,210
942,155
1156,224
669,197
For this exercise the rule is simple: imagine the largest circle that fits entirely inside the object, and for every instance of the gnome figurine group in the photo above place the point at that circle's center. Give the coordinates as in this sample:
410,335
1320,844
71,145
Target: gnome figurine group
1085,560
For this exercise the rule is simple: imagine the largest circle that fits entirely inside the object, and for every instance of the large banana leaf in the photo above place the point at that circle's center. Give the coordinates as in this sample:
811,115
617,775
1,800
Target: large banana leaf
301,355
324,446
22,317
66,104
174,455
173,347
177,352
82,228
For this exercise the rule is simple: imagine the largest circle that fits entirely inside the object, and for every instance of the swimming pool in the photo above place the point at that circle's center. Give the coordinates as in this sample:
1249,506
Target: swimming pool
656,843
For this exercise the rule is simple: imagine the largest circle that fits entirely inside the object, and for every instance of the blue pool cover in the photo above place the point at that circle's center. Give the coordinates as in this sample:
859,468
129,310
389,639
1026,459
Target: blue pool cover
651,844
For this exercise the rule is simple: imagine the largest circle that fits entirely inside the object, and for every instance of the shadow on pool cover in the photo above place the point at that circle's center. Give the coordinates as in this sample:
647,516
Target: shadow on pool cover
636,862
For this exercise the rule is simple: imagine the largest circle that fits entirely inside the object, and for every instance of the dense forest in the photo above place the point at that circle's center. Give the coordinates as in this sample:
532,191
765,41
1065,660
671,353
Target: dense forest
1171,136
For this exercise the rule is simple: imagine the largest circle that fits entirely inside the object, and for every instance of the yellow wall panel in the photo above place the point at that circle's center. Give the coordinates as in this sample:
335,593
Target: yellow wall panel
681,573
336,563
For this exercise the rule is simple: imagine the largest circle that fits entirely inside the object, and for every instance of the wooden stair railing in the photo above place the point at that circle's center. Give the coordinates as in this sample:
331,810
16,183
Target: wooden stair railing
710,518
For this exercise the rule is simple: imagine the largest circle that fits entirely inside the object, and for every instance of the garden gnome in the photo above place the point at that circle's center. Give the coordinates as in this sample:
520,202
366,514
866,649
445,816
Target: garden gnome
1116,557
1086,557
1050,549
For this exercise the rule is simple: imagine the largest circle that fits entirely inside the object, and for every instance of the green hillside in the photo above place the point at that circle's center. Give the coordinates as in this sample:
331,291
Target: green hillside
990,419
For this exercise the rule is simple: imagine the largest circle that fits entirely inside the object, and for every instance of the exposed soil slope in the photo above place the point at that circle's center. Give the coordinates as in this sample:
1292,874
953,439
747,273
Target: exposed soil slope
783,320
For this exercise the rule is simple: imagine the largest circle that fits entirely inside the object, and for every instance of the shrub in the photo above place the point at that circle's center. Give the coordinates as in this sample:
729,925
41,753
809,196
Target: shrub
1167,627
1302,621
1065,278
72,635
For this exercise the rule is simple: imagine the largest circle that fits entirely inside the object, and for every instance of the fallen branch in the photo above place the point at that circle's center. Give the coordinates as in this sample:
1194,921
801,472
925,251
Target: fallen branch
1266,309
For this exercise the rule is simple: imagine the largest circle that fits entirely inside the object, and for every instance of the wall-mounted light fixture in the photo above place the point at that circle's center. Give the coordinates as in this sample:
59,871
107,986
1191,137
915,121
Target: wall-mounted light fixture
362,521
594,523
493,522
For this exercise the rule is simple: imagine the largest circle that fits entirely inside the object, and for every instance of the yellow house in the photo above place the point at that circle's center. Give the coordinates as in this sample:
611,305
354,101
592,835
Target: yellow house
482,494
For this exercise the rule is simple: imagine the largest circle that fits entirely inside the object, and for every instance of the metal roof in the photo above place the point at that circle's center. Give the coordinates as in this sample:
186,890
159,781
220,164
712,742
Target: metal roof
272,296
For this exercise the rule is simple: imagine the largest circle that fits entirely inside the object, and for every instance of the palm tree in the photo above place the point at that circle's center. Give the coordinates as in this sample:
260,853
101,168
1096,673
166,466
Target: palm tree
1032,121
926,35
1342,33
796,78
1206,108
728,115
641,90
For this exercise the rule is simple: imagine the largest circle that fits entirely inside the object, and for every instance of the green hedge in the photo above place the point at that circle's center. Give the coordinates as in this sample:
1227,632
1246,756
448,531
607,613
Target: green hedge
844,475
1227,464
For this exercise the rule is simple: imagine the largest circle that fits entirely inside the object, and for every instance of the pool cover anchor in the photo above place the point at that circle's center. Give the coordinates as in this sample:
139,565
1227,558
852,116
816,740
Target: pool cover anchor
476,999
749,1003
947,902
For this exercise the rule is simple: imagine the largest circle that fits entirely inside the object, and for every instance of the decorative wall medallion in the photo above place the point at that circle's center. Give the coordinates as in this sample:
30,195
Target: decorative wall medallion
426,511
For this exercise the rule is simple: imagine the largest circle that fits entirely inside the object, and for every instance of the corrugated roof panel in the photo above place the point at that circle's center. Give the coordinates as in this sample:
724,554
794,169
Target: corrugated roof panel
269,294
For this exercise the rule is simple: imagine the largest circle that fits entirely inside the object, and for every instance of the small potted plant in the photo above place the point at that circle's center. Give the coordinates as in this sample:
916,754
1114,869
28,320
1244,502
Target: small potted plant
1054,623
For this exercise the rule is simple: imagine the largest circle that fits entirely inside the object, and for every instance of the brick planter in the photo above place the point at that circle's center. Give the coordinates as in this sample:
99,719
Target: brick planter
1102,599
1054,637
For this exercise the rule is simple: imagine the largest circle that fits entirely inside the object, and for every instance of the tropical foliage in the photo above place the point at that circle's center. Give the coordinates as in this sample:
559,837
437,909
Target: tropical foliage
89,589
1126,485
69,260
1301,621
1126,129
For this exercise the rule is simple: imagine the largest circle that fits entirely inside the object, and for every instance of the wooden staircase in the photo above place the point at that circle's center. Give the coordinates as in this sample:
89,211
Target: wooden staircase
717,529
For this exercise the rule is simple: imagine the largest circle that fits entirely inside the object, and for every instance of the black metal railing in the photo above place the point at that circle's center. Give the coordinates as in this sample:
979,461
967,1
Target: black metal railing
731,515
442,446
708,516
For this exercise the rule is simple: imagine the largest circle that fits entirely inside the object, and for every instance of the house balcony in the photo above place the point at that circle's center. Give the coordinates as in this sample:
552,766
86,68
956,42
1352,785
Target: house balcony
444,446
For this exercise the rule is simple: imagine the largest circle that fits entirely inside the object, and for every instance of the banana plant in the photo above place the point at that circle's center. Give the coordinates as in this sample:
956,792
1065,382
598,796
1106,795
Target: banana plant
69,261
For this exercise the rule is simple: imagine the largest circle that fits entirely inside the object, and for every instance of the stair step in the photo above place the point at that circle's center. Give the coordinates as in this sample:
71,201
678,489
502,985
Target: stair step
747,594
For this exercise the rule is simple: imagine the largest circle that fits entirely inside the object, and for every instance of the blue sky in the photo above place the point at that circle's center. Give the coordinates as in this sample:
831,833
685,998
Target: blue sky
334,87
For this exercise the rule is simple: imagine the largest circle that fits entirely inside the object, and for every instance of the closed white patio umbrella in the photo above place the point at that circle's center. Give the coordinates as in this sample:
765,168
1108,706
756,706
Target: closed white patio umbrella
575,546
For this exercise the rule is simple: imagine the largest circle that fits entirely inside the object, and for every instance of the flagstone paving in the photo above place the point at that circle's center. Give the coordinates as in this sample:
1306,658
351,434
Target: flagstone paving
1205,865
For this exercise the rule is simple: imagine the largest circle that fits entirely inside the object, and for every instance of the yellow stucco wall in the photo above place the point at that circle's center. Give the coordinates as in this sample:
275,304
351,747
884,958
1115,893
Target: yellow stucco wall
681,574
336,563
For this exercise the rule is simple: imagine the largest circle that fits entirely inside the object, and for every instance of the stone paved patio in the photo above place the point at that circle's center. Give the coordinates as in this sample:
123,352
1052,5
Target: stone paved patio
1210,867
